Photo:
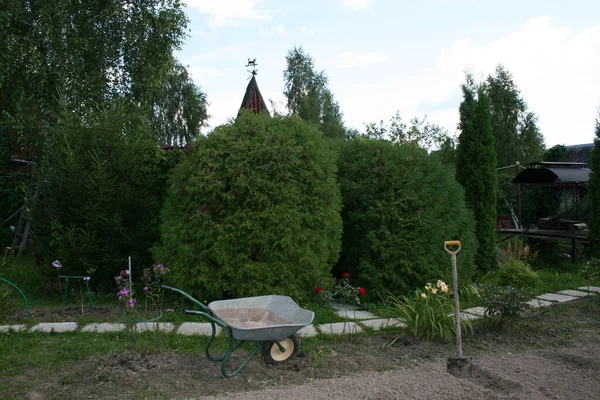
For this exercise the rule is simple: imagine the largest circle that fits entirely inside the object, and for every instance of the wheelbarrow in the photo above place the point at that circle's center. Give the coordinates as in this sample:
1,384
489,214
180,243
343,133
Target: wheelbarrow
272,321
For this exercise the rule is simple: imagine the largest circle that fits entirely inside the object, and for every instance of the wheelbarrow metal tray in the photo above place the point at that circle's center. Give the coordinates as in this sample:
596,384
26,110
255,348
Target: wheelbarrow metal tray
262,318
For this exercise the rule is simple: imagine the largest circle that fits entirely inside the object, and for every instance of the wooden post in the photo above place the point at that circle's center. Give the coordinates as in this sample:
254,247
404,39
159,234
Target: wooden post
519,196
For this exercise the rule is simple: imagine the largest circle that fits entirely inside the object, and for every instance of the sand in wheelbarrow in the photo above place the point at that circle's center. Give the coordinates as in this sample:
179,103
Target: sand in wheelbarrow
250,317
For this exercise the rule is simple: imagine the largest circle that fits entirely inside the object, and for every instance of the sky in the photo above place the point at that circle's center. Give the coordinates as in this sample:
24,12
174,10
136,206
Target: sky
388,56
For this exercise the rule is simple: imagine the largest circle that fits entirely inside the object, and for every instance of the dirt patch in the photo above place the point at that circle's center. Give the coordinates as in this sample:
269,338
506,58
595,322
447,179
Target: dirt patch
550,355
69,313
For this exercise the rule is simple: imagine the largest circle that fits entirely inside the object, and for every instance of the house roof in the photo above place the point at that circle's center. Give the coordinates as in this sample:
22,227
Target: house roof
253,100
578,153
553,175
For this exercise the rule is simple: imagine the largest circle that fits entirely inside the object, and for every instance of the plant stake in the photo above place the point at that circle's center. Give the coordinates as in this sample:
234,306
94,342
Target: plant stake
458,365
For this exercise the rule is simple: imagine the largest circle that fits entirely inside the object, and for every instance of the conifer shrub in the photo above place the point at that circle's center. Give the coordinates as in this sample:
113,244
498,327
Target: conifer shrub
101,193
254,210
400,205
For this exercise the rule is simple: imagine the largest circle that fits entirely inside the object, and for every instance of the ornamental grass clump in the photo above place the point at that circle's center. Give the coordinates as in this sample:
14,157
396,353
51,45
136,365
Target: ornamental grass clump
427,314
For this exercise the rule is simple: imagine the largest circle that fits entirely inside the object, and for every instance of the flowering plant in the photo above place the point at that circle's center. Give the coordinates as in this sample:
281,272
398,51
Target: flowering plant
152,279
342,291
427,314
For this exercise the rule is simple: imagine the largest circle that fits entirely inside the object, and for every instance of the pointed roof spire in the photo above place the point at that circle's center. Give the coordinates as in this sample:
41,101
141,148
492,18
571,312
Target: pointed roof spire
253,100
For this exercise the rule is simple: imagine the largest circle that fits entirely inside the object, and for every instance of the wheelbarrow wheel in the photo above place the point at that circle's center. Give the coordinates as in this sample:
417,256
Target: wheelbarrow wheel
273,354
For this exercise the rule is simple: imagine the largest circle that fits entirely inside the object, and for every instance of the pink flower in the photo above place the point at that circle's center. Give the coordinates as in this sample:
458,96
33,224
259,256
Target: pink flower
361,291
131,302
86,278
56,264
146,288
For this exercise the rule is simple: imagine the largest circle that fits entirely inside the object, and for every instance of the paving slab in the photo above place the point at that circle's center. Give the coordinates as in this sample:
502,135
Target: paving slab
151,326
308,331
12,328
479,311
197,328
355,314
593,289
381,323
574,293
55,327
340,328
469,317
537,303
557,298
103,327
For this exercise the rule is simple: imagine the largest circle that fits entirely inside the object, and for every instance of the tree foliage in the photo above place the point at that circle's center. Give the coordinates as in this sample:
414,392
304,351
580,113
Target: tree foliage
517,136
101,193
594,187
85,52
419,132
308,96
179,108
254,210
475,170
400,205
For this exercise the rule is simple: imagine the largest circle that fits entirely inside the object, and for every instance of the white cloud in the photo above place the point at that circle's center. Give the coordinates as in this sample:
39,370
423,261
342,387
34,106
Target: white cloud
556,69
199,74
229,12
350,59
273,31
356,5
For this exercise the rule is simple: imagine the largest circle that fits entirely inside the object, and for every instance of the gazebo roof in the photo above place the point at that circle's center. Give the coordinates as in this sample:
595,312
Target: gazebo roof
253,100
554,175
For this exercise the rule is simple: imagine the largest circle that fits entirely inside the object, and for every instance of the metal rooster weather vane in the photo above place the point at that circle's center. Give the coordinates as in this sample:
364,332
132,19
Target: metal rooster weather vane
253,64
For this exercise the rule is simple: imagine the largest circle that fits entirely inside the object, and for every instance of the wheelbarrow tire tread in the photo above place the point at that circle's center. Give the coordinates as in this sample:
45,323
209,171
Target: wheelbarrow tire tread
272,354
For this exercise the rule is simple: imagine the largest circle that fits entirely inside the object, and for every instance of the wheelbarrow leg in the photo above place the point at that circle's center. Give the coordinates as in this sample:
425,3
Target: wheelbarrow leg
232,347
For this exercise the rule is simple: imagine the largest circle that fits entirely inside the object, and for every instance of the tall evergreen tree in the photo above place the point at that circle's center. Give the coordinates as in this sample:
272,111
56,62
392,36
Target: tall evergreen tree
594,187
475,170
308,96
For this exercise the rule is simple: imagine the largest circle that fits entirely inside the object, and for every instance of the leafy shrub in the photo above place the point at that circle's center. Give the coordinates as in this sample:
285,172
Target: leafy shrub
428,314
504,304
254,210
343,291
513,272
400,205
100,194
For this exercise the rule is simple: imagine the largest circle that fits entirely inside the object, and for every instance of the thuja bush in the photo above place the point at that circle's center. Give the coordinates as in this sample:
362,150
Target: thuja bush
101,193
400,205
254,210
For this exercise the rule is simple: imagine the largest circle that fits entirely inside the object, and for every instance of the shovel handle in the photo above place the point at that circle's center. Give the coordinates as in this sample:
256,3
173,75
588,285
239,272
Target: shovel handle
452,243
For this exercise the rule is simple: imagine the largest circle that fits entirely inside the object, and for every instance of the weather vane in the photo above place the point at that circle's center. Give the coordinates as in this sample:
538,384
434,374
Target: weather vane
253,64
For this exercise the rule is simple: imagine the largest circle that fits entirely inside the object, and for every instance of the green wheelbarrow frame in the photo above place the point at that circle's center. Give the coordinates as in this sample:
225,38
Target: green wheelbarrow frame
270,338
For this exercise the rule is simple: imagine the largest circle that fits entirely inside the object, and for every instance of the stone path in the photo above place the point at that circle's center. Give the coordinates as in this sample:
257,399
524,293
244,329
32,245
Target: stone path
357,320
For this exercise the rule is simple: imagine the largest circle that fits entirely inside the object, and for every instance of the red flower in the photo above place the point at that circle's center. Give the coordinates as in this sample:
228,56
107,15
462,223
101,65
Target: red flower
361,291
346,275
318,289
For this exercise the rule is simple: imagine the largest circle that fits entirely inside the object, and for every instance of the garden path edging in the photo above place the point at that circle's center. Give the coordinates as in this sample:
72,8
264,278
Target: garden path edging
358,319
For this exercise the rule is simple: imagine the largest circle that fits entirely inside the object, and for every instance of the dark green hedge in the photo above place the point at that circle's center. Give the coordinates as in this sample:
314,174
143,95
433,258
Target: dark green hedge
400,205
254,210
101,194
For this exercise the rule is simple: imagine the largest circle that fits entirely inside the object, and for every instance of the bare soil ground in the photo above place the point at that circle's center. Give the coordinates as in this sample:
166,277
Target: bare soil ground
552,354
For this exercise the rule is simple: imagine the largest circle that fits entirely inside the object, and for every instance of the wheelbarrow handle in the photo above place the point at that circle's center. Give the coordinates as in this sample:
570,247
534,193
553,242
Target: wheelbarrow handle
452,243
187,296
208,317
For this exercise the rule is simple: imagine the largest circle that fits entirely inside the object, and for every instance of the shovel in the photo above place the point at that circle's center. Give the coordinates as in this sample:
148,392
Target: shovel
459,365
